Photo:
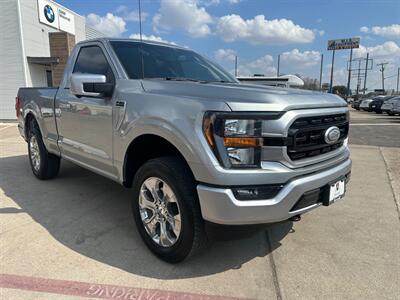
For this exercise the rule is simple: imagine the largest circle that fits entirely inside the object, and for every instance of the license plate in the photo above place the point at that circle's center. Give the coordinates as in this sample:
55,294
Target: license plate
336,191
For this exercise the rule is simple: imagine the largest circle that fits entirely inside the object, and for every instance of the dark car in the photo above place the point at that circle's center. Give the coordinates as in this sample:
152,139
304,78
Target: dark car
356,104
376,104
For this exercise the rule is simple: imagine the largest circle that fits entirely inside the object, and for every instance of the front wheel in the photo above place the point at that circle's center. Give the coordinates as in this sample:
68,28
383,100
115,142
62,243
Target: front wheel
166,209
44,165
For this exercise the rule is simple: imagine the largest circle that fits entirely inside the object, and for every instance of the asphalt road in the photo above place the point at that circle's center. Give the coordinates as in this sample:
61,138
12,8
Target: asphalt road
74,237
374,129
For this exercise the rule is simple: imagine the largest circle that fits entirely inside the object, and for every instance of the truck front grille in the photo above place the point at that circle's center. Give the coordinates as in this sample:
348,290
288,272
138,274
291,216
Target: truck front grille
306,136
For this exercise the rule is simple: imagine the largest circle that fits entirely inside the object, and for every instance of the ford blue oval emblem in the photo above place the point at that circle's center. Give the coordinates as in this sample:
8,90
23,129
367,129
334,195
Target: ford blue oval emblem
49,13
332,135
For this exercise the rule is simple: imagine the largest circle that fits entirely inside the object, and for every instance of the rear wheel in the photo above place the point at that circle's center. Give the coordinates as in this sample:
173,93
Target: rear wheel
166,209
44,165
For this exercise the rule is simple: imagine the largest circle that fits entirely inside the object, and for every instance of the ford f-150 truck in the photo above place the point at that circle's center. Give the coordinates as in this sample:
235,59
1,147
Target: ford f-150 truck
193,143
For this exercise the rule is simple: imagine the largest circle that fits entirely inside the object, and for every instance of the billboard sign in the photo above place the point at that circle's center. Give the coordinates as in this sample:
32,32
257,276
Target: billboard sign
344,44
55,16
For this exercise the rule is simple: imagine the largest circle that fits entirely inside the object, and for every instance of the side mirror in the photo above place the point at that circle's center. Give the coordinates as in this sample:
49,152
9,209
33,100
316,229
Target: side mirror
90,85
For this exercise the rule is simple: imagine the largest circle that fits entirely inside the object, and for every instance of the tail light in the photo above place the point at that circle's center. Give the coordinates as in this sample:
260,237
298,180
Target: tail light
17,106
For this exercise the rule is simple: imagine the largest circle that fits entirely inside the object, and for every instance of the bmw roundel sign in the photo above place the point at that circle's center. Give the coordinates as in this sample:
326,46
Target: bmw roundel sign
49,14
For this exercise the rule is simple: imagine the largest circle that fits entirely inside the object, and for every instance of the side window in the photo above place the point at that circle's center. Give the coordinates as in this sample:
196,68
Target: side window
92,60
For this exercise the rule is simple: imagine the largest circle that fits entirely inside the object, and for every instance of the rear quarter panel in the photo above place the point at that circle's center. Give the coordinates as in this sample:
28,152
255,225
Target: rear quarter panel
39,102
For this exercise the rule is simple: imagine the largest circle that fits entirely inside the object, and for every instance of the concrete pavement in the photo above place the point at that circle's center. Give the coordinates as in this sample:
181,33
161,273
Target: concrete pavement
78,228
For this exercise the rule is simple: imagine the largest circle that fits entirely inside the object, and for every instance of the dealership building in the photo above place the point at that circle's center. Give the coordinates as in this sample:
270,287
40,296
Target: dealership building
37,37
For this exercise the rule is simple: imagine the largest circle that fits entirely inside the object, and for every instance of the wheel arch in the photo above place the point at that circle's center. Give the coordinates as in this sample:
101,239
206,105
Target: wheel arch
144,148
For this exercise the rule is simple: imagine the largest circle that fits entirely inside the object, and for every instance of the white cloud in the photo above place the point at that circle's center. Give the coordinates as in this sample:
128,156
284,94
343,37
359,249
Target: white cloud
263,65
130,16
150,38
225,54
389,50
109,24
182,14
385,31
262,31
298,59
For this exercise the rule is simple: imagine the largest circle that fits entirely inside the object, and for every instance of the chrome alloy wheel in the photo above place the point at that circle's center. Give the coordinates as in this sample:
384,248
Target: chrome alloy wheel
34,153
159,211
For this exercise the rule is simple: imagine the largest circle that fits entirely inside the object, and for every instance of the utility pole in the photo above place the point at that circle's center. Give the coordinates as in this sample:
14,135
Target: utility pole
236,66
365,75
279,62
333,62
349,76
320,72
398,77
382,70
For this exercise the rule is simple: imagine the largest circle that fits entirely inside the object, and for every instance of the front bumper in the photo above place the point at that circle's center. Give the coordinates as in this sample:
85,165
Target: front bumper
218,205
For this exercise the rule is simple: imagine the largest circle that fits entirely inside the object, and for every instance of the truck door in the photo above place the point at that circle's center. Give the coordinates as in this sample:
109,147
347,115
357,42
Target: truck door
85,123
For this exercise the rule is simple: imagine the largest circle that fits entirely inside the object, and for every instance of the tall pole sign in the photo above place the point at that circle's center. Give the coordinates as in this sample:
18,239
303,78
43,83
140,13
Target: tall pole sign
342,44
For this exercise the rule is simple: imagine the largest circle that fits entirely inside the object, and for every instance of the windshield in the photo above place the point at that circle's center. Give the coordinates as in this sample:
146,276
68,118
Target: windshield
163,62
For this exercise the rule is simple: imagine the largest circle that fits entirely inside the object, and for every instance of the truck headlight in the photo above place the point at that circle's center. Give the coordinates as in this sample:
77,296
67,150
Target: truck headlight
235,139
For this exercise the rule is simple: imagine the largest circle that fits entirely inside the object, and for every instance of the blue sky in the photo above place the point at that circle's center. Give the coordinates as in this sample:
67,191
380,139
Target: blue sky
258,30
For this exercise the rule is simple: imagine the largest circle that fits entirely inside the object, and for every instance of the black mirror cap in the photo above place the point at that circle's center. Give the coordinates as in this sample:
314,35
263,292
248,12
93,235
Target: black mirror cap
105,89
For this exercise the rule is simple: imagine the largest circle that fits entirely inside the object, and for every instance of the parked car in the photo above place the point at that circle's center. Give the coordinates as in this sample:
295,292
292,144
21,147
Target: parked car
194,143
391,107
356,104
365,104
376,104
396,106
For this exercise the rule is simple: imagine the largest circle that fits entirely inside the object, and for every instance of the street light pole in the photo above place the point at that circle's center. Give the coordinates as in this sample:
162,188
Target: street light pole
398,77
365,75
333,62
320,72
349,76
236,66
279,62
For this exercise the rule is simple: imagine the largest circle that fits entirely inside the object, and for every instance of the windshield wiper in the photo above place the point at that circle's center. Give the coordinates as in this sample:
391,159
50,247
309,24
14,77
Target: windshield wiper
181,79
218,81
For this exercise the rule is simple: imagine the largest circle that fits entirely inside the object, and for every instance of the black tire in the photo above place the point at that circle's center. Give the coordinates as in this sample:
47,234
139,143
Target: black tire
174,172
49,165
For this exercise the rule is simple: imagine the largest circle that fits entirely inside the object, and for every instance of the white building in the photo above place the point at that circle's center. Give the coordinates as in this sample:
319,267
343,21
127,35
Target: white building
25,54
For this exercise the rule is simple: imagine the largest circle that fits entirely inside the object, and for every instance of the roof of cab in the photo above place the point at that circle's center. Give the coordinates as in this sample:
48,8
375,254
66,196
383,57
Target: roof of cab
106,40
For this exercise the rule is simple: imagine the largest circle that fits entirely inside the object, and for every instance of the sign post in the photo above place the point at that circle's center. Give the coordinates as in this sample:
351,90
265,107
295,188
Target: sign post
341,44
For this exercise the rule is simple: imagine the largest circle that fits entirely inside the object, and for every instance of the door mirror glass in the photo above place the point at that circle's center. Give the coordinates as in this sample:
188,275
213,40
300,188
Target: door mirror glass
90,85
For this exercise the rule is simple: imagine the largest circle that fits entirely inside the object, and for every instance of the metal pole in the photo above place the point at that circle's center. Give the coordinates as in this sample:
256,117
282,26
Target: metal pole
348,79
279,61
365,75
140,21
236,66
383,74
398,77
333,62
320,72
358,76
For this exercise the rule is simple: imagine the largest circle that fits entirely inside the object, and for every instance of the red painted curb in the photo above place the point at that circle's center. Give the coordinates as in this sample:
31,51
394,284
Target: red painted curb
94,290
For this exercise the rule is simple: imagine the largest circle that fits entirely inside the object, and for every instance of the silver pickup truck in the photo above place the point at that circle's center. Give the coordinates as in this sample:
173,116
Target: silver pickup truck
193,143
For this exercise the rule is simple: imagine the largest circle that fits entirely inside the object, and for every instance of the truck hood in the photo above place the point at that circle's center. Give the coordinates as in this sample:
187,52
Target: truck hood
245,97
